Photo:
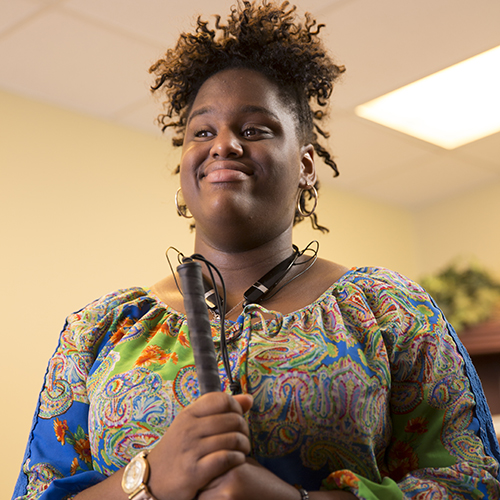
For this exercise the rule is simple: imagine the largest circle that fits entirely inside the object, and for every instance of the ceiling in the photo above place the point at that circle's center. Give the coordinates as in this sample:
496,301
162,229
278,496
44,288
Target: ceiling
92,56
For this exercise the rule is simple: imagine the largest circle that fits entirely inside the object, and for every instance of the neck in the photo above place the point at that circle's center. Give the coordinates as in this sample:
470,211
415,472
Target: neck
240,269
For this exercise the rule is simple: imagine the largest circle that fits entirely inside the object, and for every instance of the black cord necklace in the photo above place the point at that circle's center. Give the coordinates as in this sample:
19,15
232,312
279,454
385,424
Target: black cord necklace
258,291
263,289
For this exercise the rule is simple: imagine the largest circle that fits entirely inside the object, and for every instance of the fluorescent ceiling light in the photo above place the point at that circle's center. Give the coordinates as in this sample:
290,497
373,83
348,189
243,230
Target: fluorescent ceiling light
457,105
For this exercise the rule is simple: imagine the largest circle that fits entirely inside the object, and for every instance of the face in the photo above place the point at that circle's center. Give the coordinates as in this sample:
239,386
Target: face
242,162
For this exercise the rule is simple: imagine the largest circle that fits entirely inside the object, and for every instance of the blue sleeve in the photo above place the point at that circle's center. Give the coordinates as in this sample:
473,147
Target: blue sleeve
58,460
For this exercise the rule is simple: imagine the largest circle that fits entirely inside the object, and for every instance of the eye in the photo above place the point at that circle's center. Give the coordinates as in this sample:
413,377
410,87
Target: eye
203,133
255,132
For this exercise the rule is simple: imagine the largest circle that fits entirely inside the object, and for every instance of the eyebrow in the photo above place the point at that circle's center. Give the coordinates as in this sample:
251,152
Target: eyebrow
248,109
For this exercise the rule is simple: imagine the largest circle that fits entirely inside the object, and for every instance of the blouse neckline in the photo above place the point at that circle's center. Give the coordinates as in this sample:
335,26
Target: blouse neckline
328,292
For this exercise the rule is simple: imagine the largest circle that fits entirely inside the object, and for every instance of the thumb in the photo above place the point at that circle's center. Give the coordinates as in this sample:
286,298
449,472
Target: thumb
245,401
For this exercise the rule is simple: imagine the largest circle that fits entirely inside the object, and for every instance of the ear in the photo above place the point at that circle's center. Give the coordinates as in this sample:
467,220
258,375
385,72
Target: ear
307,167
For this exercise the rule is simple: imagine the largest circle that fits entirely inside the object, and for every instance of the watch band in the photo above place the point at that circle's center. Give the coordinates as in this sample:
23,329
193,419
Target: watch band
142,494
304,495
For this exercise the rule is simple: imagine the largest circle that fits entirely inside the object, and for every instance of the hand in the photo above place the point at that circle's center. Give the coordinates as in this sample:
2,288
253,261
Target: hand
252,481
205,440
248,482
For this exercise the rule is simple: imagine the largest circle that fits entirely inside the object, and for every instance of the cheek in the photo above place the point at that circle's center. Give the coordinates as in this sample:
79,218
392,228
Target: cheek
185,160
193,152
286,178
281,192
186,183
188,165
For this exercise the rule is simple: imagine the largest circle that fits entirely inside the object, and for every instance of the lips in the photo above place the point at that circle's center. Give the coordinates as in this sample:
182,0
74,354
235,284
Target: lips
225,171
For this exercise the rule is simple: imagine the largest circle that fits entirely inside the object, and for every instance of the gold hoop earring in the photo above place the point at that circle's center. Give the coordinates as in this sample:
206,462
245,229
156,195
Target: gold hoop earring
313,194
181,210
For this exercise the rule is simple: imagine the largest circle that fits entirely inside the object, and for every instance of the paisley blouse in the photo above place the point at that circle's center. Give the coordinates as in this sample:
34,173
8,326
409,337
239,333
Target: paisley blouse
367,389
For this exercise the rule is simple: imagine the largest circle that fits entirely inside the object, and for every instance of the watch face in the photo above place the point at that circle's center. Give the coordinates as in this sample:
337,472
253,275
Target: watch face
134,475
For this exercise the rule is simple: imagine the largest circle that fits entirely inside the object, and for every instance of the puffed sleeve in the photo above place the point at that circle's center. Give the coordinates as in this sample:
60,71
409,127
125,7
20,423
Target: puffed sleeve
443,444
58,459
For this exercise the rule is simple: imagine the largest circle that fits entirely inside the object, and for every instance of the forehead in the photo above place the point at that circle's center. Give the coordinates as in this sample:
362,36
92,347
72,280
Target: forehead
237,90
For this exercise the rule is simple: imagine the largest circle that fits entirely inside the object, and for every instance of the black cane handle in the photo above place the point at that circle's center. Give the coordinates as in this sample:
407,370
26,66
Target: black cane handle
199,326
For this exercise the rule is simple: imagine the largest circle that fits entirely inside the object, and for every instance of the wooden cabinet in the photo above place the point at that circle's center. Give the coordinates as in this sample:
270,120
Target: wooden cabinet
483,344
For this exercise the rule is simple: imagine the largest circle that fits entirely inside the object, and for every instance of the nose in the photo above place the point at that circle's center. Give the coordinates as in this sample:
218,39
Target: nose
226,145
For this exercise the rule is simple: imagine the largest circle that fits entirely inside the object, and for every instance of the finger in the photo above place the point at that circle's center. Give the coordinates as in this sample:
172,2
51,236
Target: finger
245,401
215,464
220,424
212,484
235,441
208,491
253,462
214,402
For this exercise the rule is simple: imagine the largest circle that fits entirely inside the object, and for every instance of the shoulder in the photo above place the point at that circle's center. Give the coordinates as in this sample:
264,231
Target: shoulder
87,326
395,300
112,301
322,275
381,279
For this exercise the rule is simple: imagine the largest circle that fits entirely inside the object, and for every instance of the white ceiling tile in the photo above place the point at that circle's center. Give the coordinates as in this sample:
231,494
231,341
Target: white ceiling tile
429,182
389,43
363,150
317,7
150,19
46,3
63,60
157,19
13,12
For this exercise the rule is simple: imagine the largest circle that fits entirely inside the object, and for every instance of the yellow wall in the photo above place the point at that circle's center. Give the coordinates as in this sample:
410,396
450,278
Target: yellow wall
465,227
87,207
362,232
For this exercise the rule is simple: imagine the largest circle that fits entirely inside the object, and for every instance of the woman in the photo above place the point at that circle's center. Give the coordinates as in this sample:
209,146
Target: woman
352,380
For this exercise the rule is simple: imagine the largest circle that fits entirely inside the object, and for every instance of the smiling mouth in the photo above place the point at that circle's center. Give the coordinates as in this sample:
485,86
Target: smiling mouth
226,172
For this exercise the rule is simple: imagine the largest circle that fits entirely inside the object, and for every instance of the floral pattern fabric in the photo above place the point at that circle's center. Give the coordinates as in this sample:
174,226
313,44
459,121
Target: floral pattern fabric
365,389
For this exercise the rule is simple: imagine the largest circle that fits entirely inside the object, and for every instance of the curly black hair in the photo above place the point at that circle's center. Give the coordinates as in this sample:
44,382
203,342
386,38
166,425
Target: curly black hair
264,37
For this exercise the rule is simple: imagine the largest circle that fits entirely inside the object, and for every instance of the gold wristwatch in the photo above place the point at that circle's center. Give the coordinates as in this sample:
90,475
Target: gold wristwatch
135,478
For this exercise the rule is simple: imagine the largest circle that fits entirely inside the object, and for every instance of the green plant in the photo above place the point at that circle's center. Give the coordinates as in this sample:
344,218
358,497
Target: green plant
467,294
